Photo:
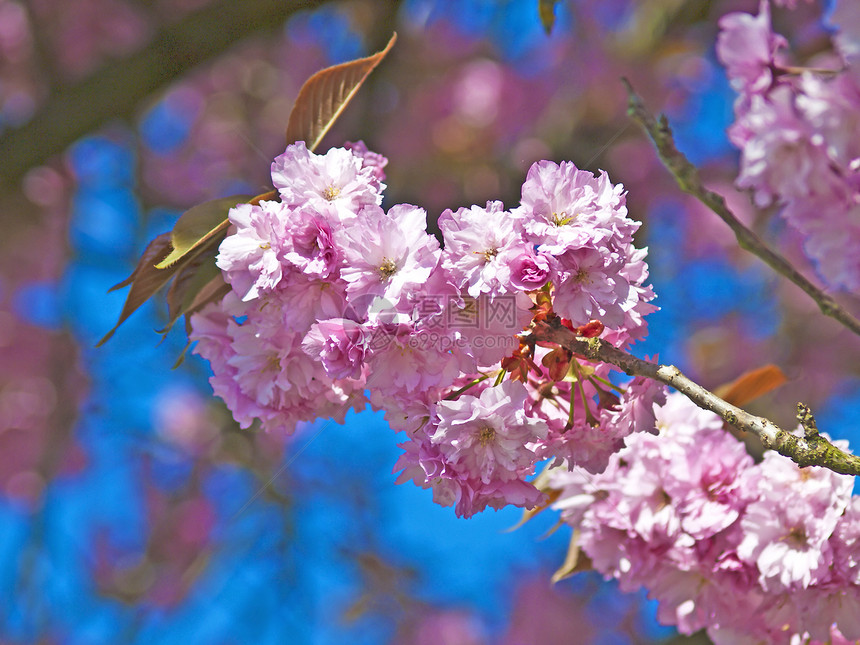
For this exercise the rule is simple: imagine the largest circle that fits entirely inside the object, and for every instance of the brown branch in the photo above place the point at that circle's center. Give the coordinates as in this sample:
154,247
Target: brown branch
118,88
810,450
687,176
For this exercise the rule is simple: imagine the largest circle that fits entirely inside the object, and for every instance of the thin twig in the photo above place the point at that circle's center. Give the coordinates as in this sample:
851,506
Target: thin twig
687,176
812,449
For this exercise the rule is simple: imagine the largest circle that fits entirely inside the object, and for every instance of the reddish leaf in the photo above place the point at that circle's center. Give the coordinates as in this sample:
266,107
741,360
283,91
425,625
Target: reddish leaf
157,248
542,483
546,11
558,363
213,291
145,280
574,562
552,498
189,282
591,329
148,278
325,95
751,385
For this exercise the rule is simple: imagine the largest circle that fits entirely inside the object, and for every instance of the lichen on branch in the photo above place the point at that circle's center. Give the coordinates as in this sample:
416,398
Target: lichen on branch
812,449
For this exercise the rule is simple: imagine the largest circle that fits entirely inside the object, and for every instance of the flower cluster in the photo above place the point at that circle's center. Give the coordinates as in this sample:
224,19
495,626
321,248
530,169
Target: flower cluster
797,134
753,552
335,302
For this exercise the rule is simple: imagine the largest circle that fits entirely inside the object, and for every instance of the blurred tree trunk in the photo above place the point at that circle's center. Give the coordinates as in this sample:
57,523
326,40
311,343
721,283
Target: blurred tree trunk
118,88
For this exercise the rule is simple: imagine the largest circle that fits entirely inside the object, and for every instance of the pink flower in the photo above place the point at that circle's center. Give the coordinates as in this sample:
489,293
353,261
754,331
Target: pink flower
580,226
251,257
311,245
638,303
529,270
562,205
406,412
476,243
846,545
747,47
372,160
582,445
750,552
787,544
337,182
486,328
340,345
636,408
387,255
261,372
210,333
425,463
406,360
302,300
590,286
779,157
486,437
473,496
707,492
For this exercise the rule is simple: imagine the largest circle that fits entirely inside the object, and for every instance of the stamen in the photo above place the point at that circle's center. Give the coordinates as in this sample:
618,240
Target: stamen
331,193
489,254
387,269
560,219
486,435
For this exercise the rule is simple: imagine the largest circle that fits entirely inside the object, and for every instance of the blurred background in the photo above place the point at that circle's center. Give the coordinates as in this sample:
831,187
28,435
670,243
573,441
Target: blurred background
132,509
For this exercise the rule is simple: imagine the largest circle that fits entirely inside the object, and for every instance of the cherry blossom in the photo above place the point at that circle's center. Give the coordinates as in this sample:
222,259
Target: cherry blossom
332,295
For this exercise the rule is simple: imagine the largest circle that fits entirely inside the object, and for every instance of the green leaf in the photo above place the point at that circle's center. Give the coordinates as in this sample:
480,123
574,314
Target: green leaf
145,280
325,95
200,225
546,10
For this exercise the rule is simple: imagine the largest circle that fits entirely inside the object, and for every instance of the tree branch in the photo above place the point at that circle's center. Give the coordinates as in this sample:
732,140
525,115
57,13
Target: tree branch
687,176
118,88
810,450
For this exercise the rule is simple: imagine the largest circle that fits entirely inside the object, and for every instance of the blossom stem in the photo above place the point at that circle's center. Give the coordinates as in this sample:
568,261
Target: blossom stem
812,449
687,176
572,410
605,382
453,395
578,385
